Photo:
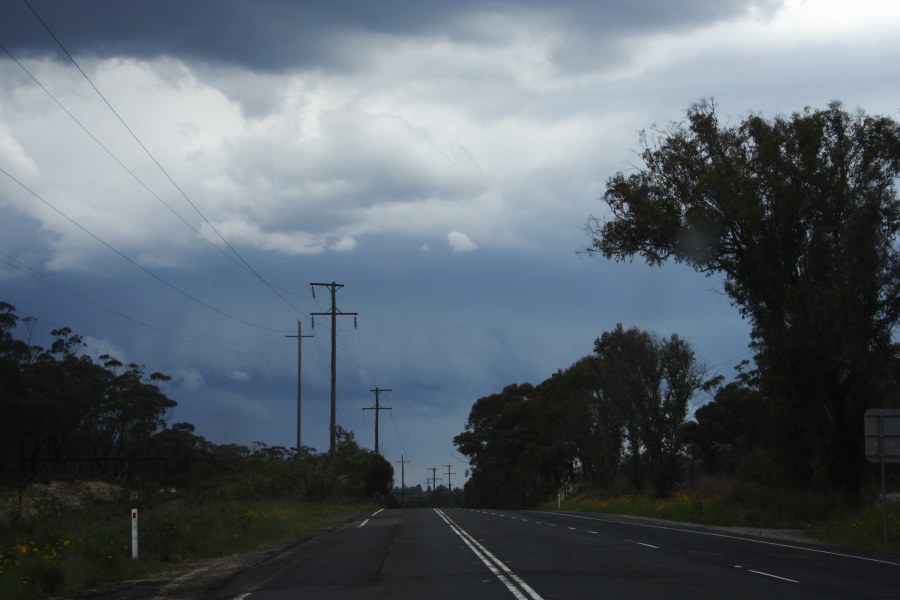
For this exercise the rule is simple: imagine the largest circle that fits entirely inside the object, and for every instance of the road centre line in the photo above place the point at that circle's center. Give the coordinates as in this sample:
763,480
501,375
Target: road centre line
362,524
643,544
732,537
496,566
377,511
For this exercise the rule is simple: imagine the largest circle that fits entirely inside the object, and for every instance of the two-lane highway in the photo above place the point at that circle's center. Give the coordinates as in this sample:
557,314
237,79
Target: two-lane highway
453,553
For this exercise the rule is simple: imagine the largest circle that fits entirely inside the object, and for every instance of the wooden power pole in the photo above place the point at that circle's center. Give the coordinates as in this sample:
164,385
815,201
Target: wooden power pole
334,312
299,337
377,408
402,477
449,473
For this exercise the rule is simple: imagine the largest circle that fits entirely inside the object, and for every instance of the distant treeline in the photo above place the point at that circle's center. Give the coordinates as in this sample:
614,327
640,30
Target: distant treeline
65,416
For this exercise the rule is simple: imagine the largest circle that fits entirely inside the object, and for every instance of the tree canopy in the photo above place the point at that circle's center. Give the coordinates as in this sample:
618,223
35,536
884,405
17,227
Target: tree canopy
625,405
800,217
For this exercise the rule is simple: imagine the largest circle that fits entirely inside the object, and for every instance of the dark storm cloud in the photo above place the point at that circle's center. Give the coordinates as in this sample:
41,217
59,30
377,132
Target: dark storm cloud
275,35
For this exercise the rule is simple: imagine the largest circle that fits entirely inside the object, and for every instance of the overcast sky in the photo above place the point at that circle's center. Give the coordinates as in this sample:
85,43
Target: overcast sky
438,159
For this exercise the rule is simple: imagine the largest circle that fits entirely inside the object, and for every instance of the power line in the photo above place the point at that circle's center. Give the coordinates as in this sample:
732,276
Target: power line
119,162
46,280
157,163
133,262
400,439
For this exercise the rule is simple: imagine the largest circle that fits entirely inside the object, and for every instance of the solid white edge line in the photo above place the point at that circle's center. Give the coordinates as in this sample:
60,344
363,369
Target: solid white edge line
773,576
464,535
725,535
363,523
377,511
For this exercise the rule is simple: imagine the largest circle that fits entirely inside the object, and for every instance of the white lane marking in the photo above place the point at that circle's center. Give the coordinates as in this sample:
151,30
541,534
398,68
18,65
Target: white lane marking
496,566
377,511
732,537
591,531
643,544
362,524
773,576
241,597
572,528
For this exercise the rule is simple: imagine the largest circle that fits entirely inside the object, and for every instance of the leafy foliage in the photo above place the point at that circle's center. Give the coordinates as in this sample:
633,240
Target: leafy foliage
622,407
800,216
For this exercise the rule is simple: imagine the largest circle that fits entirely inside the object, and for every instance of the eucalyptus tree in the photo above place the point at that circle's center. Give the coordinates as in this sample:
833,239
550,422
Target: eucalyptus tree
799,216
651,381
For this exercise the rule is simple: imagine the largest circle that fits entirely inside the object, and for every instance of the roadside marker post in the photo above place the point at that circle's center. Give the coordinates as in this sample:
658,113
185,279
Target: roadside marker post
134,533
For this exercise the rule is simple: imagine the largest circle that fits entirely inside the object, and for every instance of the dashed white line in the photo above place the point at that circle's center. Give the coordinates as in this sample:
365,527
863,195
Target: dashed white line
773,576
362,524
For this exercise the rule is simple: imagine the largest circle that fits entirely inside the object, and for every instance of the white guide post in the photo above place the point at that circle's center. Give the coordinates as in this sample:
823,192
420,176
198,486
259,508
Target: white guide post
134,533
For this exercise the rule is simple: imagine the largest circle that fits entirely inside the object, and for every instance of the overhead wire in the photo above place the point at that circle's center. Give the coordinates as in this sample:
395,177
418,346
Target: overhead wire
157,163
116,159
135,263
33,273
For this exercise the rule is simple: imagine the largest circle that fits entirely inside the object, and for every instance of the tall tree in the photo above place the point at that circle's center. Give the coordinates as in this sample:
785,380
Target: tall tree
501,441
652,381
800,216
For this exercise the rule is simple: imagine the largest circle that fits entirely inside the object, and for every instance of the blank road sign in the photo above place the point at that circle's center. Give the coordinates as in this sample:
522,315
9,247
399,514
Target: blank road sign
883,434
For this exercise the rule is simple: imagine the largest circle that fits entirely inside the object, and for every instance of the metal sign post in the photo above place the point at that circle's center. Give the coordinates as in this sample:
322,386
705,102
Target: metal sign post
882,428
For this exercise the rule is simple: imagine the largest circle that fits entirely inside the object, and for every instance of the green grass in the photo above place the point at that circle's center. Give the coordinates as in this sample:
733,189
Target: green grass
815,516
67,552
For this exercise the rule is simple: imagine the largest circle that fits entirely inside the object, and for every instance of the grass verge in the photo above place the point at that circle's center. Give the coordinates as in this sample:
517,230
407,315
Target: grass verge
66,552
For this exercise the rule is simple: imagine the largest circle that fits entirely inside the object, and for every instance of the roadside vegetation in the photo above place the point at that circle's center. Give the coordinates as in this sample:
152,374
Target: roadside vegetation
798,217
83,441
720,502
72,550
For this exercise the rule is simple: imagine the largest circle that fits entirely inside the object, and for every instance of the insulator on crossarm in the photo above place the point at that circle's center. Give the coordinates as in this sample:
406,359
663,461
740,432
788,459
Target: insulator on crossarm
355,326
312,322
313,288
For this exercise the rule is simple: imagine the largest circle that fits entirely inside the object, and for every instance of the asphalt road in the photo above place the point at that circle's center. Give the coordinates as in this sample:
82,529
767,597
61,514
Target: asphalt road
474,554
